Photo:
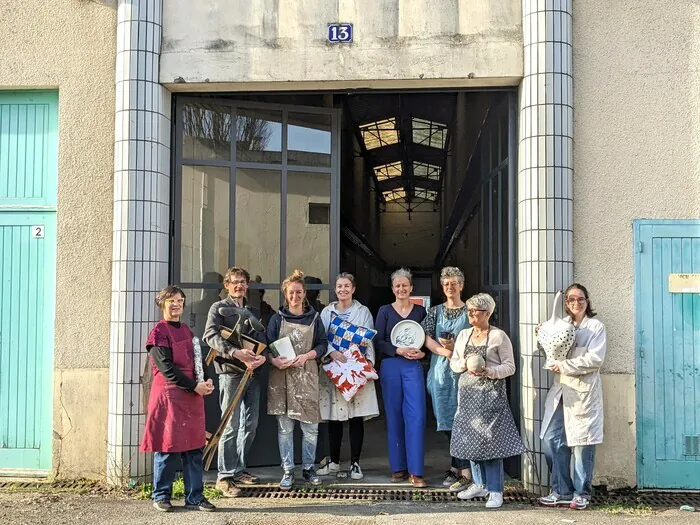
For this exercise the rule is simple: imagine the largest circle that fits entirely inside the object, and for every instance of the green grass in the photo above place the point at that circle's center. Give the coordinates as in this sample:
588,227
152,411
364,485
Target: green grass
628,509
146,490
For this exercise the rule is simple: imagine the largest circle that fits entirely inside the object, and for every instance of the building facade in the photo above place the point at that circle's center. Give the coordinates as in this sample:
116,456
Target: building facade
534,143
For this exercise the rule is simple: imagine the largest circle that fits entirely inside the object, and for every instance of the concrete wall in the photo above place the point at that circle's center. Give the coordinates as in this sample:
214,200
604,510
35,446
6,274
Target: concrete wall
410,242
70,46
228,43
637,155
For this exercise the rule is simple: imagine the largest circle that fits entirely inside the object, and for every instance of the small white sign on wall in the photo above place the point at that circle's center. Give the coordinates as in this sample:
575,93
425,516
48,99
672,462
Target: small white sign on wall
684,283
38,231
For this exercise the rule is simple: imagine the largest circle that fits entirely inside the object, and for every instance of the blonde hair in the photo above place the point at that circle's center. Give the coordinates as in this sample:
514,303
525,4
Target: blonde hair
296,277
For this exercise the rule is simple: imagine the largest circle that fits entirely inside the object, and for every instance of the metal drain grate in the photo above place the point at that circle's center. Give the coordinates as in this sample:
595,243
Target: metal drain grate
69,485
654,499
374,495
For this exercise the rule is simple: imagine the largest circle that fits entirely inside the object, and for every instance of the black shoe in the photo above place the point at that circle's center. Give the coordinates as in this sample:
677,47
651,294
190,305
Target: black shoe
162,505
311,476
204,505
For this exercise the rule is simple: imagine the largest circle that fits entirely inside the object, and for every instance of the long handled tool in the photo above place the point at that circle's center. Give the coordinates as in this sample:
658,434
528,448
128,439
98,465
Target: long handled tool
213,441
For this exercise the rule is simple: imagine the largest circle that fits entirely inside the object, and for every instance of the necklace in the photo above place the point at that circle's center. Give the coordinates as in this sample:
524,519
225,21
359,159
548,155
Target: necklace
482,332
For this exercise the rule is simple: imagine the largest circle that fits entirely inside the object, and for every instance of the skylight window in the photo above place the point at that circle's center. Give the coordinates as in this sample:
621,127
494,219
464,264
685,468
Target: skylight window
429,133
379,133
429,195
388,171
429,171
394,195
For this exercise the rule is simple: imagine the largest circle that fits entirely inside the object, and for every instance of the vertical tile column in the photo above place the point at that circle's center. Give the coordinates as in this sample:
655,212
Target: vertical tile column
141,226
545,205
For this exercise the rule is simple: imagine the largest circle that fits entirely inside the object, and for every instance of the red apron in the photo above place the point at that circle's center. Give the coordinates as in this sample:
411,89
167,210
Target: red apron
175,420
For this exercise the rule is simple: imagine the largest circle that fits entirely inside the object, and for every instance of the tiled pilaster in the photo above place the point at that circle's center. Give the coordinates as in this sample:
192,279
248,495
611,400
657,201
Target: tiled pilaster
141,226
545,205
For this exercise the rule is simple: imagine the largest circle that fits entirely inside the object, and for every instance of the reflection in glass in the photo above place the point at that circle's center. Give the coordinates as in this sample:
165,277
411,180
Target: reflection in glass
309,140
258,136
204,222
206,131
258,212
197,306
308,245
267,301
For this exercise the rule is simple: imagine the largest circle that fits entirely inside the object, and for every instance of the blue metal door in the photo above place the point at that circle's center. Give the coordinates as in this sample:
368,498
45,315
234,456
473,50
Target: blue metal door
28,165
667,322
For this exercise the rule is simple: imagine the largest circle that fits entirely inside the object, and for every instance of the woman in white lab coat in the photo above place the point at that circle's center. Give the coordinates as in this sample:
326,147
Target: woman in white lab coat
573,417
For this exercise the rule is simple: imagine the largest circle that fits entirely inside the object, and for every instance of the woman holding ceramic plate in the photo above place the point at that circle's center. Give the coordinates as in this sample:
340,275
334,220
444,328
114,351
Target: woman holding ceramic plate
334,408
400,338
484,431
442,325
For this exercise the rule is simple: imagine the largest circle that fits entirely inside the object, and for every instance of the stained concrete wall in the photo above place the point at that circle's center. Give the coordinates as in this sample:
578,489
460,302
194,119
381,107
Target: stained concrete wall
225,44
69,45
637,155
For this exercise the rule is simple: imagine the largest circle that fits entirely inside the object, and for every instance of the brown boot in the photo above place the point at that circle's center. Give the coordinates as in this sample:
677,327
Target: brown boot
417,481
398,477
228,488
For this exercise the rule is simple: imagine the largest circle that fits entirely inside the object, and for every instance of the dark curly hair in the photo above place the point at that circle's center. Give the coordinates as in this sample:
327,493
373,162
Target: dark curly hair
589,307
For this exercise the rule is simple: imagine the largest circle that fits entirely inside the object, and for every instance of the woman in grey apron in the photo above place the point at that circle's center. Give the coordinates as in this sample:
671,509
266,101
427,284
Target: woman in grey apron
442,325
484,431
292,390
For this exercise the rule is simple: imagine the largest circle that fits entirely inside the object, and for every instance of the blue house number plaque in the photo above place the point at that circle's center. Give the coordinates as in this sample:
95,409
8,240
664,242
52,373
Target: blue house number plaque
340,33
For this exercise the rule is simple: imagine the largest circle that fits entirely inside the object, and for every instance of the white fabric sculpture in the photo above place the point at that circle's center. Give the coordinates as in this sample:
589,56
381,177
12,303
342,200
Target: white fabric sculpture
555,336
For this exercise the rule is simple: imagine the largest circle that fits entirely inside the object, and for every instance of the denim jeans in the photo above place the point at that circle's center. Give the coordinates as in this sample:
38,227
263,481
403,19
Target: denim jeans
558,455
239,433
285,438
488,473
165,468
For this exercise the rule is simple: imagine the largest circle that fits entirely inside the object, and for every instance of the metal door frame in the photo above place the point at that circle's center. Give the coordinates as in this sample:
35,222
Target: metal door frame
233,165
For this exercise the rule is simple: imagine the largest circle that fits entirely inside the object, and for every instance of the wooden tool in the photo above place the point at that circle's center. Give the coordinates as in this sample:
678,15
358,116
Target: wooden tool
213,440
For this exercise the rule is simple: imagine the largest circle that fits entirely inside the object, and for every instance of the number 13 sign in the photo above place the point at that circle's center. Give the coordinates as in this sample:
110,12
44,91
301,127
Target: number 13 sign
340,33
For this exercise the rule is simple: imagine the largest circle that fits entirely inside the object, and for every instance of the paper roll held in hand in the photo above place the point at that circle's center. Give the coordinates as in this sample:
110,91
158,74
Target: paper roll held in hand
555,336
475,363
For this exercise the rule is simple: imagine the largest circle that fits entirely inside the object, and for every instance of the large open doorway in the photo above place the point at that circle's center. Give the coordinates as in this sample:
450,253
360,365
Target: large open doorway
363,183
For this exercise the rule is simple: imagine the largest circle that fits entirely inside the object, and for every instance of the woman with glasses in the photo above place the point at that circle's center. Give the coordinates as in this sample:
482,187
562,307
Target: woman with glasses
573,418
442,325
484,431
174,429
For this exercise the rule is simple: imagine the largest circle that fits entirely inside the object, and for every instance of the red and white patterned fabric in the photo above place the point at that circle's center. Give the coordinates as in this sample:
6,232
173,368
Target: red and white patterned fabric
351,376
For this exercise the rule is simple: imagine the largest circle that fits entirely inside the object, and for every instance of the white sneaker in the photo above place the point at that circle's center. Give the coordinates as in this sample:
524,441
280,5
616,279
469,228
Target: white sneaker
328,467
495,500
356,471
473,491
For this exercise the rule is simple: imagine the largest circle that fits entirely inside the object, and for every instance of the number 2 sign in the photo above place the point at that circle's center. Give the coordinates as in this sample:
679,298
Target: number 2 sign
340,33
38,232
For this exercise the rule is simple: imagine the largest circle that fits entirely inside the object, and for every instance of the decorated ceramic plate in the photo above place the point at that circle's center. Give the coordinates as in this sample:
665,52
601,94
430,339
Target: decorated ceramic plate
408,333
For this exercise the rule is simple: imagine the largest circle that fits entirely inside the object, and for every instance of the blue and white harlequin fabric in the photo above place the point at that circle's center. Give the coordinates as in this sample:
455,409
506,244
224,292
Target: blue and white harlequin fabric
342,334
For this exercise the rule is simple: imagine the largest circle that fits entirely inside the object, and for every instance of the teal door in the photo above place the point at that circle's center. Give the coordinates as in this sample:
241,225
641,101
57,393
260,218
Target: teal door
667,323
28,127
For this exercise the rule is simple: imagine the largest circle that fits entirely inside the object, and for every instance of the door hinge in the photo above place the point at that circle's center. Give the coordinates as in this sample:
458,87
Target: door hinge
640,247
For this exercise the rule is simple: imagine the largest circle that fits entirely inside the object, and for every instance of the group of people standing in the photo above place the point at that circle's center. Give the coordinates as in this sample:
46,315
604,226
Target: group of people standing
470,404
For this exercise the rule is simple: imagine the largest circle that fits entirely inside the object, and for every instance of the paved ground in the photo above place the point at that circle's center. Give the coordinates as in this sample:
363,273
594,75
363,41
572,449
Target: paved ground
51,508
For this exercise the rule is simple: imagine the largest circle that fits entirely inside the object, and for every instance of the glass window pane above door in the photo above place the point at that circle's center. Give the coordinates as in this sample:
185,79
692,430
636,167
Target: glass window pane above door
308,243
197,304
206,131
309,140
204,223
258,136
258,222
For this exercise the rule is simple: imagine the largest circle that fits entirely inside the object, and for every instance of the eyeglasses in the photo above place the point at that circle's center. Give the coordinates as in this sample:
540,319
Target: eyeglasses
574,300
175,301
473,311
238,282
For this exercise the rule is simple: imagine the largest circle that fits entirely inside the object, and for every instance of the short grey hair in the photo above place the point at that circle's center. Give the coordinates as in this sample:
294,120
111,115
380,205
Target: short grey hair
451,271
482,301
402,272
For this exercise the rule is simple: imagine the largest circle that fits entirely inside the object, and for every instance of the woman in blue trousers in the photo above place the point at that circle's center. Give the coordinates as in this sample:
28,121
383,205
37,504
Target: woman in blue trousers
403,384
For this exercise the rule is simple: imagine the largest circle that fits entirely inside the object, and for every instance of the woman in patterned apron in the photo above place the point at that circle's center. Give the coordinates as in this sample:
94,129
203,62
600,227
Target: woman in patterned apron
484,431
292,389
442,325
175,422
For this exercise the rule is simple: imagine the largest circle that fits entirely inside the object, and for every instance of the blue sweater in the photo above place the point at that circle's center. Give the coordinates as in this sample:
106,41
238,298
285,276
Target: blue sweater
387,318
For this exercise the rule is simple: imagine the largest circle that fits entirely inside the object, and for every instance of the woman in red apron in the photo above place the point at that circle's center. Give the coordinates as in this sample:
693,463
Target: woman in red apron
175,422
